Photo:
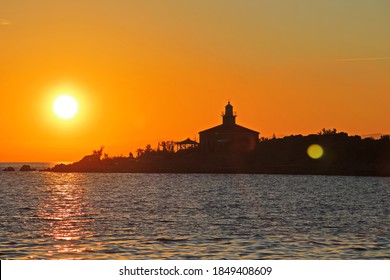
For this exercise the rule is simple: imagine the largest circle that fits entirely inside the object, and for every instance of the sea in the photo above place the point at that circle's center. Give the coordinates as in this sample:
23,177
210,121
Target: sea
46,215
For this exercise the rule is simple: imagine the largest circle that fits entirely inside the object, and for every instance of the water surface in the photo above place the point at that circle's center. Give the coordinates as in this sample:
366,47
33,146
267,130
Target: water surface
193,216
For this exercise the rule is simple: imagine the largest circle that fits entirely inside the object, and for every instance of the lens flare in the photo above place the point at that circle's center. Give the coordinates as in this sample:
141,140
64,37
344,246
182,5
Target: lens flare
315,151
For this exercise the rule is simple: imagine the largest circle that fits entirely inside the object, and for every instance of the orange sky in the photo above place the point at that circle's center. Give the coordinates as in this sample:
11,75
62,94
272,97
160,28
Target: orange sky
147,71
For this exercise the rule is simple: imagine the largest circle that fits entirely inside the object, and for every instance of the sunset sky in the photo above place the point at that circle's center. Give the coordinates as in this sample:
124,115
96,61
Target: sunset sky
147,71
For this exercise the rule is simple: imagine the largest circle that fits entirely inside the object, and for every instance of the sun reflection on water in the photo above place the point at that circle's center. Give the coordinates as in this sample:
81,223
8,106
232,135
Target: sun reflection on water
66,212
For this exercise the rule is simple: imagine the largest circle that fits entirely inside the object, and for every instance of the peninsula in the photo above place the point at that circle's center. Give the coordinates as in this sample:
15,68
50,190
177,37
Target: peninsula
231,148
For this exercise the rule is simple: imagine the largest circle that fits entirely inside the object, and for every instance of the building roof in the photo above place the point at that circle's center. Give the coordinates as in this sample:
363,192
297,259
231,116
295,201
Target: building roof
188,141
235,128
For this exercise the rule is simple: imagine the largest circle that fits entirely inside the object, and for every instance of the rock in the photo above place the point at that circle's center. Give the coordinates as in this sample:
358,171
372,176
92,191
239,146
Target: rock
9,169
26,168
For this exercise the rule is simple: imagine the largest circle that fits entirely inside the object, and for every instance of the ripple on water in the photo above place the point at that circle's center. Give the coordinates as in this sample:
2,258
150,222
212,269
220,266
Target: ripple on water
193,216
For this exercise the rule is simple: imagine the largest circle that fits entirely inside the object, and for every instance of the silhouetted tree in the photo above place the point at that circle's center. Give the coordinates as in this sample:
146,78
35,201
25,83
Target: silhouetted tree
148,149
328,131
98,153
168,146
140,152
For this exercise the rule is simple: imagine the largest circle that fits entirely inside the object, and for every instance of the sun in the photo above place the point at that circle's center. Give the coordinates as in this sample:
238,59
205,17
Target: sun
65,107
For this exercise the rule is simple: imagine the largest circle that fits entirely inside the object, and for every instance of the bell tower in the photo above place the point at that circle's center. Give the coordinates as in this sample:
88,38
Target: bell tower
229,118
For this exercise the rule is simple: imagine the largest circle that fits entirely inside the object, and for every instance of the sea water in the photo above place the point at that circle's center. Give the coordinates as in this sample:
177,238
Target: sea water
47,215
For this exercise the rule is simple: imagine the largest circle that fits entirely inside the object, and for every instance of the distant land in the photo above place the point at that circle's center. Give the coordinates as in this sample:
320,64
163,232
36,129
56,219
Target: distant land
342,155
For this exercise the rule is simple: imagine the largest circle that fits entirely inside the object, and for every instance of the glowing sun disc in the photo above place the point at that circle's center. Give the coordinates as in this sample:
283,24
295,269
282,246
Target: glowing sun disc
65,107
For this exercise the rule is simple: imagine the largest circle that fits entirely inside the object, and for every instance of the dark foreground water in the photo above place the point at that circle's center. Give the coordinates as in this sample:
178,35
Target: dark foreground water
193,216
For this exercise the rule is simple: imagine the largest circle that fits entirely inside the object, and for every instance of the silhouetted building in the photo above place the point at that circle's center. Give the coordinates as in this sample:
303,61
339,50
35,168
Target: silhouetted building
186,144
228,135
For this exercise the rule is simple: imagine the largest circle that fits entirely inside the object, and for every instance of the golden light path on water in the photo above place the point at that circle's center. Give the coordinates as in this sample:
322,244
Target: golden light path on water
66,210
